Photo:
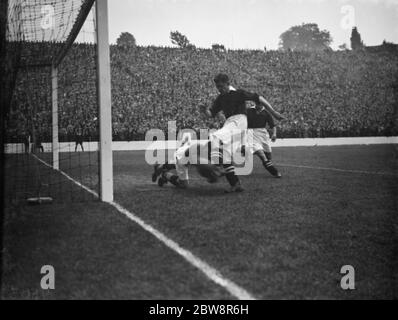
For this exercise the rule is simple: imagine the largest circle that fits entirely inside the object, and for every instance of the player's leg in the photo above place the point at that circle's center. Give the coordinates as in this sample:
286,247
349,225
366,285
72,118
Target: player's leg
233,180
224,145
262,149
268,153
189,155
81,144
166,173
268,165
180,178
163,172
266,145
175,174
158,169
174,179
220,156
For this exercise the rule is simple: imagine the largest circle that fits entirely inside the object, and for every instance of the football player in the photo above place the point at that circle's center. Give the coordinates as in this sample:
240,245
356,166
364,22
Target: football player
260,142
232,103
79,138
177,174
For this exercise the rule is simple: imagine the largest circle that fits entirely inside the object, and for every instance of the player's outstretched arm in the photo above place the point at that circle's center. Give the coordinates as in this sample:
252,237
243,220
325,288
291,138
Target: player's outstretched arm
270,109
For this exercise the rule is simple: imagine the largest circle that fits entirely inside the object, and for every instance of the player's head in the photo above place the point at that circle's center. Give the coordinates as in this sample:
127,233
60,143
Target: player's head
222,83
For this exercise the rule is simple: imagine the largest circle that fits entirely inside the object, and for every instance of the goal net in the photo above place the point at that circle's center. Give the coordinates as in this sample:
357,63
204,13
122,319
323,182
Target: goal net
52,124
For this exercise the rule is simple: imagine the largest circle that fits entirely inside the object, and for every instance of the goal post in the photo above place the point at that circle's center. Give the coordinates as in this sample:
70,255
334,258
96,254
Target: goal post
104,101
54,124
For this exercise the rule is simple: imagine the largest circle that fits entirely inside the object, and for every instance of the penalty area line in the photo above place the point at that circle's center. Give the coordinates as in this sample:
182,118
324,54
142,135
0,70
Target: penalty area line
338,170
211,273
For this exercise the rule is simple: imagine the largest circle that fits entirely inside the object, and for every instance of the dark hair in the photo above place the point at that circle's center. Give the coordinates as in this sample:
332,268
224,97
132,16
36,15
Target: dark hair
221,78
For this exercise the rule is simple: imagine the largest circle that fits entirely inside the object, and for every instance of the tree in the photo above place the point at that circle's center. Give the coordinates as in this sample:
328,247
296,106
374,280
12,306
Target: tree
218,47
306,37
180,40
356,41
343,46
126,40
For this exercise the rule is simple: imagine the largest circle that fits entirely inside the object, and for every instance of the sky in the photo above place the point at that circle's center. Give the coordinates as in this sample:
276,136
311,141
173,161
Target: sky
250,24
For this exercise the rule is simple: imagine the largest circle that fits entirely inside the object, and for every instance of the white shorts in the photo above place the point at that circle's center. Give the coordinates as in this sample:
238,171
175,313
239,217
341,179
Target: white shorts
231,136
259,140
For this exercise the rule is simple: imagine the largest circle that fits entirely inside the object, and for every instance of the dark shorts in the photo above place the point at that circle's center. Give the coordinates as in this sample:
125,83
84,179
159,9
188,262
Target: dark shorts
79,140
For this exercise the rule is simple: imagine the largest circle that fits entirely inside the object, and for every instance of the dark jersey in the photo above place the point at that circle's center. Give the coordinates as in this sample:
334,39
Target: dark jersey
79,135
260,119
233,102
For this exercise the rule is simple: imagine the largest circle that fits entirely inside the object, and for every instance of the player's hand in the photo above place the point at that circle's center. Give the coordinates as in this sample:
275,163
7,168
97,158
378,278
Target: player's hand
273,138
279,116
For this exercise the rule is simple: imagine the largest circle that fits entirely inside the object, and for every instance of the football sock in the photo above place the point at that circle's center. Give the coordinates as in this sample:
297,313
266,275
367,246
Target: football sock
216,157
268,165
232,178
209,151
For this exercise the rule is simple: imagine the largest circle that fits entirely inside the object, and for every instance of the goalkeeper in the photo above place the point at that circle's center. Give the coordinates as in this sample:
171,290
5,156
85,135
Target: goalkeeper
178,173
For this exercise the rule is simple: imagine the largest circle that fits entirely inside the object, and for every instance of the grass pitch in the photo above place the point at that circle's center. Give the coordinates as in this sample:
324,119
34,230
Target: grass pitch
280,239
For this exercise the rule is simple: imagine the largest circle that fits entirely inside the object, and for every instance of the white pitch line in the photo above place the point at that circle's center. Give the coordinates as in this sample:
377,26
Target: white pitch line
210,272
338,170
95,194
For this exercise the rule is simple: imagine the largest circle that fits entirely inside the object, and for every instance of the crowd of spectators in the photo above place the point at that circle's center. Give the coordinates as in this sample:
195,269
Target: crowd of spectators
322,94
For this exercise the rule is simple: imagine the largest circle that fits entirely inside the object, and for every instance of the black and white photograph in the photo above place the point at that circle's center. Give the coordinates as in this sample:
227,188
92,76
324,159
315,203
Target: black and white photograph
207,151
